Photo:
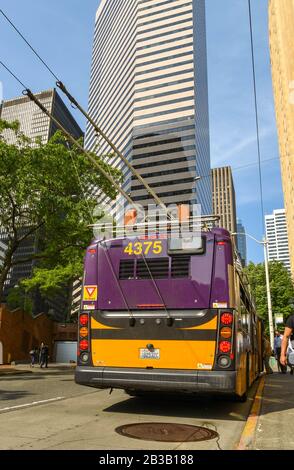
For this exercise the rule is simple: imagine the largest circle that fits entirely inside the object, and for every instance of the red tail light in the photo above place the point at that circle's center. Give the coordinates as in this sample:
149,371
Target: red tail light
84,345
227,318
84,320
225,346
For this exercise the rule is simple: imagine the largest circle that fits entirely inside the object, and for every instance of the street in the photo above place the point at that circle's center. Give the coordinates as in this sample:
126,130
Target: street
47,410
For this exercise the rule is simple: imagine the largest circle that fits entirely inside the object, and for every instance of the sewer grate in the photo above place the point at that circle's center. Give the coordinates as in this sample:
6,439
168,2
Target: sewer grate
166,432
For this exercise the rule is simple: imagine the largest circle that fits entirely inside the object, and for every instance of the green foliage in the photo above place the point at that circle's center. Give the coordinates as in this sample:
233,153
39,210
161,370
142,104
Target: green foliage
19,298
281,286
46,192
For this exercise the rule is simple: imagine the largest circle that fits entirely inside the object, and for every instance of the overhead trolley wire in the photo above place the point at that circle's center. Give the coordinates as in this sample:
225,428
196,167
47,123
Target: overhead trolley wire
74,102
240,167
27,92
62,87
256,114
12,74
27,42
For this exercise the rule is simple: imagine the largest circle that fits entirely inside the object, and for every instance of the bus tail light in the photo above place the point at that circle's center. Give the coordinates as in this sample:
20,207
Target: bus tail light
84,320
225,346
84,338
225,340
227,318
84,345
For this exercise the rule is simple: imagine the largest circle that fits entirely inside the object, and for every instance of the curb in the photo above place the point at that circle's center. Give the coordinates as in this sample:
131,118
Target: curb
252,420
5,373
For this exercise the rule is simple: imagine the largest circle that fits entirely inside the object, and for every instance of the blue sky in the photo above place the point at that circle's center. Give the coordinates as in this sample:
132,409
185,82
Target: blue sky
62,31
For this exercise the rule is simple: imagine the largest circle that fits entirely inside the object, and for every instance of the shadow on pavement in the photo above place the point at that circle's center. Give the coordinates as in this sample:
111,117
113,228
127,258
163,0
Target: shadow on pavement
13,395
208,407
278,393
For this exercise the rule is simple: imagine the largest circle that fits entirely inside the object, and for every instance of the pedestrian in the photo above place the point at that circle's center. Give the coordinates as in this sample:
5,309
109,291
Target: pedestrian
290,355
44,355
287,348
34,356
277,349
267,353
40,352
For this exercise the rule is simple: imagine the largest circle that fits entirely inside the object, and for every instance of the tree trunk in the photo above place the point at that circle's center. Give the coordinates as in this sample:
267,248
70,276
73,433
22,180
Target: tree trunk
7,264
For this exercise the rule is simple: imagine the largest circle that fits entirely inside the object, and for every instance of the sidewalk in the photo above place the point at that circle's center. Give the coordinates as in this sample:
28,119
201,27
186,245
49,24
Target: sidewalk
21,369
275,427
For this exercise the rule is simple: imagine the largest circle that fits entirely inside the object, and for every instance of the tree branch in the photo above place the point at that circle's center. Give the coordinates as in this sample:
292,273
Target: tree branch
31,231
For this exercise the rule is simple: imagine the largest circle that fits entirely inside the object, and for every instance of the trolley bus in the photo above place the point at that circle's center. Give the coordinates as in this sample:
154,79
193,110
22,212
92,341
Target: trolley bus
157,315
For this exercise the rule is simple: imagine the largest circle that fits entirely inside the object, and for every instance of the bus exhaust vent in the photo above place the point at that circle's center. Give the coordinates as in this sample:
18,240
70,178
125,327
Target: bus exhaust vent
126,269
180,266
156,268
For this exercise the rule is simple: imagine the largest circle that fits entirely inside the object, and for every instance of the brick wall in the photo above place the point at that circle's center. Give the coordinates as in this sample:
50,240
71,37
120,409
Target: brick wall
19,333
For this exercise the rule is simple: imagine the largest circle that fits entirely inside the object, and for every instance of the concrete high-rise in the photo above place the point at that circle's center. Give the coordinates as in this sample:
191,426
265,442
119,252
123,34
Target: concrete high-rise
148,93
281,26
34,123
224,197
277,237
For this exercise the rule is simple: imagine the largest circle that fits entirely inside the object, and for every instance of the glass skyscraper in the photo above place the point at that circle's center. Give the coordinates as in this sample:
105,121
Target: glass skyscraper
242,242
148,93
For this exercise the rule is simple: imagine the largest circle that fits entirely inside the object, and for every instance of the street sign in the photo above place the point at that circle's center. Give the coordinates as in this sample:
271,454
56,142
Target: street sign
90,293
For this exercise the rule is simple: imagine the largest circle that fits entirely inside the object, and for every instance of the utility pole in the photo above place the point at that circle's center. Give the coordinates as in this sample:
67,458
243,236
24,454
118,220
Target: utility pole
268,293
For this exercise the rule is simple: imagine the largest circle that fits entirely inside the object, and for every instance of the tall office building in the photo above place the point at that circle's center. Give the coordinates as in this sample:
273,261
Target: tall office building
281,25
34,123
224,197
276,234
148,93
241,242
3,248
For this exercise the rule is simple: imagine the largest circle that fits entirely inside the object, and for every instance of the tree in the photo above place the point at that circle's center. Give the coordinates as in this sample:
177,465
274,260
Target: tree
282,289
46,193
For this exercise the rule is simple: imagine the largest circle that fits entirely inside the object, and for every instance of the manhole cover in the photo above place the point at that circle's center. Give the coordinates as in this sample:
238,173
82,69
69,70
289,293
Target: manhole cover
166,432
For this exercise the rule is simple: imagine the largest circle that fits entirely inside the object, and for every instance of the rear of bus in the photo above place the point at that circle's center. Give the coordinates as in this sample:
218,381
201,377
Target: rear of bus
156,318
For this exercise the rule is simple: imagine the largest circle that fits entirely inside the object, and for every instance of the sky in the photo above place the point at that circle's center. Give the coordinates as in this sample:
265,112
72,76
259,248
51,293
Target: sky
62,33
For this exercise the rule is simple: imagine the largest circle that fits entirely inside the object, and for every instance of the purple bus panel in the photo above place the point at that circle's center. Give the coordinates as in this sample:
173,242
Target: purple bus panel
121,281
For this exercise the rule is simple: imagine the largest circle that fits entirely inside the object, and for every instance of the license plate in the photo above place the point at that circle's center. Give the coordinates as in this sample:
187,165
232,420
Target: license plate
147,354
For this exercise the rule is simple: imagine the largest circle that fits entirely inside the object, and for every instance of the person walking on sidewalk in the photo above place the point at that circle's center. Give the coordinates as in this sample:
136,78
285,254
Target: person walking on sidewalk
34,356
44,355
277,349
267,352
287,347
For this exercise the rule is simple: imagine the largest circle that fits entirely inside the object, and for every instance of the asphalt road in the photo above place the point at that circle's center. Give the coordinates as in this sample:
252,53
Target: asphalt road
47,410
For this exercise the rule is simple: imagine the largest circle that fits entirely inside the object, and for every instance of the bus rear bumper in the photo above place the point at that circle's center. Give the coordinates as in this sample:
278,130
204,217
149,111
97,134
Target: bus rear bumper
157,379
